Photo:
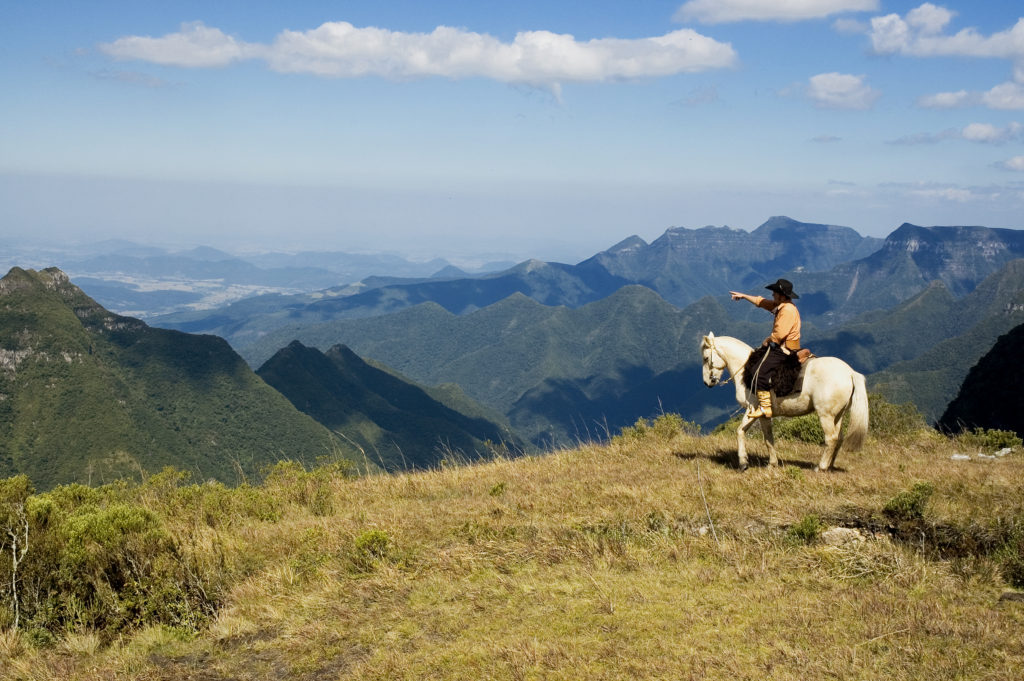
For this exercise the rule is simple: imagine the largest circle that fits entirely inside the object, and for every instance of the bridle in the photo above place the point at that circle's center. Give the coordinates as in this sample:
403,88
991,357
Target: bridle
720,369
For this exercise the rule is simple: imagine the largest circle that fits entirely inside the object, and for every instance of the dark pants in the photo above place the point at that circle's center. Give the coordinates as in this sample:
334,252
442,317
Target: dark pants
773,359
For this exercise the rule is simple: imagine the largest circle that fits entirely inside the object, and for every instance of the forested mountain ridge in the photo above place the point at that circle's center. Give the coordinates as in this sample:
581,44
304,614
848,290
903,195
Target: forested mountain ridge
394,422
559,374
89,396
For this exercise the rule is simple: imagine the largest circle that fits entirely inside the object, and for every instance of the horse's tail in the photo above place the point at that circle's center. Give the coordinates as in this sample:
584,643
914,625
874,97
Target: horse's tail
857,428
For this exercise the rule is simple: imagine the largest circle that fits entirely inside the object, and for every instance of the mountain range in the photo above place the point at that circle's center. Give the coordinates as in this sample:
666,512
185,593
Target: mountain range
838,273
560,373
410,370
683,265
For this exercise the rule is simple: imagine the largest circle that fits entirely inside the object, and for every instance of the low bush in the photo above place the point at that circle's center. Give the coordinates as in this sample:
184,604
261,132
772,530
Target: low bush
665,426
99,561
370,548
989,439
910,504
891,421
806,531
805,428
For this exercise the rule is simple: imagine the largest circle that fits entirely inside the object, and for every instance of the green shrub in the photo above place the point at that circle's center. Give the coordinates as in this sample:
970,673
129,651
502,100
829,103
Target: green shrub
670,425
910,504
806,531
989,439
289,480
101,562
890,421
664,426
370,548
806,428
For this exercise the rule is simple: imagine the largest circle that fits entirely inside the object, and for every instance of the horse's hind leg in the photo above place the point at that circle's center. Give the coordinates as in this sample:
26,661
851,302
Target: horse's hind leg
832,426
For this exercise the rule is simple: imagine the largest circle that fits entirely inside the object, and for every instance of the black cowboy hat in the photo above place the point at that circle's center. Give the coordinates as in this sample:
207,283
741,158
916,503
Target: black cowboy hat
783,286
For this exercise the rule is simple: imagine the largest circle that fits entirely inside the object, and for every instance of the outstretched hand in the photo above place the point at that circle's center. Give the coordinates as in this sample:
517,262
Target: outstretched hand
736,295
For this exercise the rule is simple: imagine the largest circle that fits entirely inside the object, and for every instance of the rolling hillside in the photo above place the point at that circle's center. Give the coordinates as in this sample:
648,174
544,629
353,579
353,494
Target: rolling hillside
647,558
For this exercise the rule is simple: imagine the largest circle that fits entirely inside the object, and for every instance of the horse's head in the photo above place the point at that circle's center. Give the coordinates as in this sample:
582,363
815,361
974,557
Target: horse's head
713,364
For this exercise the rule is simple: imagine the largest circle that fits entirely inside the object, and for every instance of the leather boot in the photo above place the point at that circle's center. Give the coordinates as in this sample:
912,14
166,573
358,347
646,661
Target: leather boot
764,408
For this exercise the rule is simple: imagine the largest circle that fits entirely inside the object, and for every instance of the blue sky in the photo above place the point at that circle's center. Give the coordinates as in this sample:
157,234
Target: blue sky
545,129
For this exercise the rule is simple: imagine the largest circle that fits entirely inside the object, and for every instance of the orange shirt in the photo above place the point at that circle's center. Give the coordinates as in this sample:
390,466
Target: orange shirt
786,329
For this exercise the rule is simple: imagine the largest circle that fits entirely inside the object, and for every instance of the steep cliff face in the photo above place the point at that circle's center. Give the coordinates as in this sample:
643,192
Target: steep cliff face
908,262
958,256
990,396
91,396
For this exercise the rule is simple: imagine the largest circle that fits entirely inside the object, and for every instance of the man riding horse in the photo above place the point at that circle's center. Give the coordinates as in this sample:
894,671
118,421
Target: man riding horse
783,341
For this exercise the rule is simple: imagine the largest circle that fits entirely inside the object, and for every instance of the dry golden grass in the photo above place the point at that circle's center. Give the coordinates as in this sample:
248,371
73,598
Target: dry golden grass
650,558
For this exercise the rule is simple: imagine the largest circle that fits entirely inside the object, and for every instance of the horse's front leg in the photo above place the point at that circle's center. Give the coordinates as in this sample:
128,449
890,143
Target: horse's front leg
741,441
769,439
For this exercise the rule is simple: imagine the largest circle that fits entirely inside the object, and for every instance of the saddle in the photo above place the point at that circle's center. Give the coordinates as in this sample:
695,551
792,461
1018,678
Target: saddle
788,377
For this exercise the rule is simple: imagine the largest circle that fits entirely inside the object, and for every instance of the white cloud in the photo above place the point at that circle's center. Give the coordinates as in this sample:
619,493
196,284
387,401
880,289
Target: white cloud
1005,96
983,133
1016,164
947,100
957,194
986,132
724,11
920,35
929,19
339,49
841,91
195,45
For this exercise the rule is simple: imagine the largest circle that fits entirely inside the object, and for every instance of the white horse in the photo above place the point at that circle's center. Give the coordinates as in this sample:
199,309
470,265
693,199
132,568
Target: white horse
830,388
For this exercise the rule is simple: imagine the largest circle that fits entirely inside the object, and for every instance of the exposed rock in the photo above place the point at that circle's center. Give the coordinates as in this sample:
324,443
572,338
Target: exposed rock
842,536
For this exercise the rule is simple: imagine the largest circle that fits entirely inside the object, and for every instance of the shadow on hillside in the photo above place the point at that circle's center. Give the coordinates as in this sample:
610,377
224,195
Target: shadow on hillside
726,458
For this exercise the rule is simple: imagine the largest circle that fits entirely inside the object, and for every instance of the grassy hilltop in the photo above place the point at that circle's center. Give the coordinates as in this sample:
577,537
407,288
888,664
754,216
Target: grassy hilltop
648,557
